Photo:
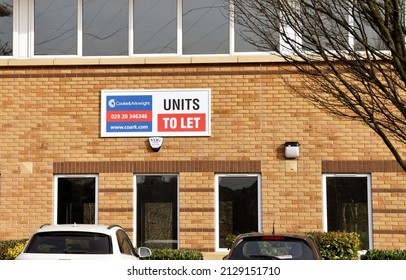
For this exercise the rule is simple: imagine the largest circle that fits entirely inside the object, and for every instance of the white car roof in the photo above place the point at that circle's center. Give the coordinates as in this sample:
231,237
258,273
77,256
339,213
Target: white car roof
77,227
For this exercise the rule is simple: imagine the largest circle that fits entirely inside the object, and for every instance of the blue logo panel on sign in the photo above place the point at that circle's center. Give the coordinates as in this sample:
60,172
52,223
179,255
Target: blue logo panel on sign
129,103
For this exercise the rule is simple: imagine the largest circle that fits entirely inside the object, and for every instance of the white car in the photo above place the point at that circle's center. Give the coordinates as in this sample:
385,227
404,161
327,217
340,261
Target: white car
81,242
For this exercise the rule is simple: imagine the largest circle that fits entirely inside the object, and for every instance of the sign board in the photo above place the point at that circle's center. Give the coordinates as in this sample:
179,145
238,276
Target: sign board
146,113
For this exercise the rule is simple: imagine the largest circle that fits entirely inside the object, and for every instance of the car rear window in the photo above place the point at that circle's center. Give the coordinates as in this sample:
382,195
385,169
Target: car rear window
294,249
70,243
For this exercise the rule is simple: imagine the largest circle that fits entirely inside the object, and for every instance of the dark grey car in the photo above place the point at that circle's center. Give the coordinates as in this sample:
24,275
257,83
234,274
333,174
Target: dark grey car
260,246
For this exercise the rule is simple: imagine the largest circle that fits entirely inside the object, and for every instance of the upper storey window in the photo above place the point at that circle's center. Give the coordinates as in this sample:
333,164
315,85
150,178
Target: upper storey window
55,27
79,28
6,27
205,27
105,27
126,28
155,27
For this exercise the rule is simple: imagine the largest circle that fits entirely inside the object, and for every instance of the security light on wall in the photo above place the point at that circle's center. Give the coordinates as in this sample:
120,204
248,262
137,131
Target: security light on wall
291,149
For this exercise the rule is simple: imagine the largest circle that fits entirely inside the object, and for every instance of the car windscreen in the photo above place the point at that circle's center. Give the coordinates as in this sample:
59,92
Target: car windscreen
70,243
293,249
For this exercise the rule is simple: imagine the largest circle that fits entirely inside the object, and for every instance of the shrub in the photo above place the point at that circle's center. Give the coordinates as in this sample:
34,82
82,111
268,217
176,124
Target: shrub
337,245
384,255
13,252
10,249
171,254
230,240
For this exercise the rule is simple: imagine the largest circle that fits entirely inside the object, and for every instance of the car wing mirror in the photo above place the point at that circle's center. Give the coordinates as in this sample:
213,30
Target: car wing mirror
144,252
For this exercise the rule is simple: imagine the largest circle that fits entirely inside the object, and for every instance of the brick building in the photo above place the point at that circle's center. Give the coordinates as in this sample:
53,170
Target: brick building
60,163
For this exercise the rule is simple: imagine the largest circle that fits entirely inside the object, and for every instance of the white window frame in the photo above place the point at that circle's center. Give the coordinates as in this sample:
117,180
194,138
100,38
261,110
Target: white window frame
80,28
23,34
179,22
21,31
96,202
135,214
369,201
217,200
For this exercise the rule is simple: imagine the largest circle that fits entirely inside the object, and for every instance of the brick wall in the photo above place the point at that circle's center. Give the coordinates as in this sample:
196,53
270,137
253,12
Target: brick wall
196,211
116,200
50,124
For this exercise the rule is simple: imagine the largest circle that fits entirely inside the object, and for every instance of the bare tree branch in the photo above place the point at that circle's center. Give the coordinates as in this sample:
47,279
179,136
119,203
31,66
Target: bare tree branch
351,54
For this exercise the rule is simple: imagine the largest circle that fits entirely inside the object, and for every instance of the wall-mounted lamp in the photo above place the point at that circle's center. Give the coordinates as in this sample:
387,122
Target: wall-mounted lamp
155,143
291,149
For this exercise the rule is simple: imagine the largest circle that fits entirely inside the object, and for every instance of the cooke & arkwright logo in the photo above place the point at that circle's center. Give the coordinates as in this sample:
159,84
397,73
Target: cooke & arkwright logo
112,103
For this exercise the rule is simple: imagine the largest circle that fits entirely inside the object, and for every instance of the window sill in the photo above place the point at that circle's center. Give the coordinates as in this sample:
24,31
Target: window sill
140,60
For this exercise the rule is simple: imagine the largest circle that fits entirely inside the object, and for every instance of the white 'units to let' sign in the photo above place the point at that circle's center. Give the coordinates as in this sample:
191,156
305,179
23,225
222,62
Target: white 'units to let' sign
146,113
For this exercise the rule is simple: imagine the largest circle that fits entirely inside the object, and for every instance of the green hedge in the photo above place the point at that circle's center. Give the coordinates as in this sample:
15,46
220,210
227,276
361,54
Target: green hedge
384,255
337,245
171,254
10,249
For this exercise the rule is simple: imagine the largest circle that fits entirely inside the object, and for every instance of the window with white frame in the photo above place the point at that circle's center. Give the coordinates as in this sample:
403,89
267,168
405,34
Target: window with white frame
318,22
156,207
75,199
237,206
154,27
347,205
119,28
55,27
105,27
248,40
365,32
205,28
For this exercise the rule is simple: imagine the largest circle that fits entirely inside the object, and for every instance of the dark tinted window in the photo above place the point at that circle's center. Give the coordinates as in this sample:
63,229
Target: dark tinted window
347,206
238,206
294,249
76,200
157,211
70,243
